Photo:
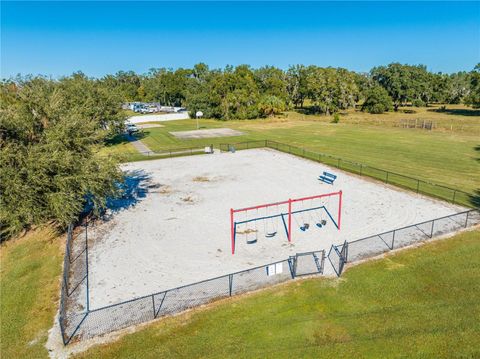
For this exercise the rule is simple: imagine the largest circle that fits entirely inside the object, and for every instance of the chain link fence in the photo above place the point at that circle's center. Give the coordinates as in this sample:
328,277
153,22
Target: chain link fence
337,257
380,243
74,296
452,195
77,321
308,263
178,152
141,155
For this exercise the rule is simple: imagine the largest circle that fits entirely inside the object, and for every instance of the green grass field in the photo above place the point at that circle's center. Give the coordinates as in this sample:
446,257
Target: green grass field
440,156
419,303
30,283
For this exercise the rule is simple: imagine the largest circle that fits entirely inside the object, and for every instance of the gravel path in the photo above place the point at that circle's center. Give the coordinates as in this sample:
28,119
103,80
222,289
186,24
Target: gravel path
139,145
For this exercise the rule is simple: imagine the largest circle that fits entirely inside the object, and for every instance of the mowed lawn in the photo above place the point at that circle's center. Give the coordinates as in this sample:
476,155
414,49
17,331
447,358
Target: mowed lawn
421,302
418,303
29,292
445,157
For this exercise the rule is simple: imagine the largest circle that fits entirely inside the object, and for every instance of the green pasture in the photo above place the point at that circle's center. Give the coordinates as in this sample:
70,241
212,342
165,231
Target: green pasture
449,158
31,266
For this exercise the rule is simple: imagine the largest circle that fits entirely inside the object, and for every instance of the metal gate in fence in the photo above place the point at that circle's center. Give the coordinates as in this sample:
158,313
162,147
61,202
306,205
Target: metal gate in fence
80,322
338,257
308,263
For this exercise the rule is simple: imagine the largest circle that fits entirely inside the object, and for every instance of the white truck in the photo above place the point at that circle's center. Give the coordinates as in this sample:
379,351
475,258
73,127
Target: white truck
131,128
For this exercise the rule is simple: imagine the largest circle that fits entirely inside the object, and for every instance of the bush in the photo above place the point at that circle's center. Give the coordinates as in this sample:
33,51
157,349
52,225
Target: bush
271,105
377,108
418,103
336,118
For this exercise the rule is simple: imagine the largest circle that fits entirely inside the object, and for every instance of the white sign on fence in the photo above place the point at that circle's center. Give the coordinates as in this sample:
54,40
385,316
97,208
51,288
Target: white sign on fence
273,269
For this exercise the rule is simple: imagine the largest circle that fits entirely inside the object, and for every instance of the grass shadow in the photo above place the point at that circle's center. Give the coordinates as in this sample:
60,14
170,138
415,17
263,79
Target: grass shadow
475,199
308,110
459,112
137,135
116,140
125,137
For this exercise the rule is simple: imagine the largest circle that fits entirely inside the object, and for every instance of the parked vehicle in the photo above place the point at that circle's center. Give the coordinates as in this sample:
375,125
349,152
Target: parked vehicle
152,107
131,128
139,108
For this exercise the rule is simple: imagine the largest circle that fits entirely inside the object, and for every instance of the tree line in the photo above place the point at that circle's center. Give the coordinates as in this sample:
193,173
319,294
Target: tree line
244,92
51,131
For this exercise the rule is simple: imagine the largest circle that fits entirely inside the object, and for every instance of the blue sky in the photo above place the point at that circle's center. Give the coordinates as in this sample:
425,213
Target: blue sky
58,38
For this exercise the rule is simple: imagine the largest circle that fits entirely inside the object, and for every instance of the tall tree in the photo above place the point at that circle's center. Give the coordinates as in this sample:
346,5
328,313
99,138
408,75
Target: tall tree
51,133
297,84
330,89
473,98
377,100
272,81
403,82
230,94
125,84
459,87
166,86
